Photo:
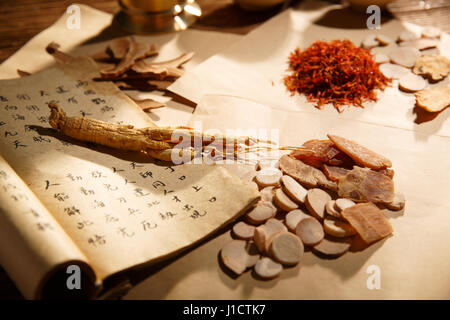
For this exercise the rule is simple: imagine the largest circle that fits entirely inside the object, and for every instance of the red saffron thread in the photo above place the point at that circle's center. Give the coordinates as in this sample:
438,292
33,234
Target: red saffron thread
336,72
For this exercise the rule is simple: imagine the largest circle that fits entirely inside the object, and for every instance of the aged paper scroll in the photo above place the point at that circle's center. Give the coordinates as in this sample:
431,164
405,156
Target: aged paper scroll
120,209
32,240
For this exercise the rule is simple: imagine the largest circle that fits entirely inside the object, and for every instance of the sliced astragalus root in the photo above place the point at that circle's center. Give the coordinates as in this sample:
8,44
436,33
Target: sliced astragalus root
338,228
332,210
261,213
343,203
286,248
268,177
310,231
266,268
283,202
316,199
238,255
243,230
293,218
293,189
332,248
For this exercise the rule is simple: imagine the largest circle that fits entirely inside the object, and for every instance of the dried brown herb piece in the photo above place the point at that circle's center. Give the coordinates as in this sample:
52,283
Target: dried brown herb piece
119,47
169,68
365,185
361,155
433,100
387,172
162,71
307,175
135,52
334,173
433,66
316,152
369,222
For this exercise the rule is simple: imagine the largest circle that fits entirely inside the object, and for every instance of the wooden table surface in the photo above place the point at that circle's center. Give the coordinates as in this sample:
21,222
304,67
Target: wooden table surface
20,20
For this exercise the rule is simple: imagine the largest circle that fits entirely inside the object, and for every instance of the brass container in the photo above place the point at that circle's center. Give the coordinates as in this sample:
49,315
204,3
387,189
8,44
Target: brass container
157,16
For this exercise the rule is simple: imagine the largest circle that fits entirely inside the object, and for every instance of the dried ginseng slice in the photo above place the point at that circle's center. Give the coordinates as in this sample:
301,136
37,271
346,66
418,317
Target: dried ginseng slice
266,268
342,204
294,217
306,175
293,189
286,248
433,66
363,185
383,39
338,228
332,248
360,154
404,56
407,36
261,213
316,199
310,231
243,231
238,255
368,221
370,42
332,210
433,100
381,58
393,71
431,32
412,83
268,177
283,202
421,44
334,173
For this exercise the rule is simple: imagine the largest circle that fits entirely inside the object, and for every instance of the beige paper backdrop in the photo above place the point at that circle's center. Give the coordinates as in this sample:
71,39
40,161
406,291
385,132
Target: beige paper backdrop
414,262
